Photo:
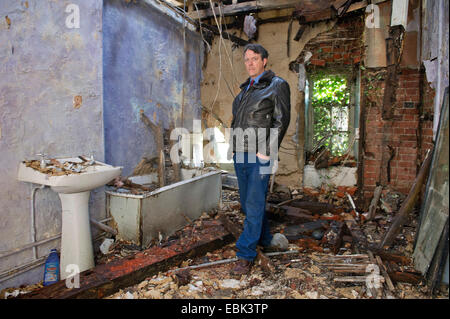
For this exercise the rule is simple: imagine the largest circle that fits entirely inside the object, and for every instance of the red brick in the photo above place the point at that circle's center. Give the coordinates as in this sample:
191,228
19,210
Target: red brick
398,130
408,138
369,181
370,175
337,56
410,111
327,49
405,164
412,91
408,158
406,124
410,131
370,169
410,117
408,148
318,62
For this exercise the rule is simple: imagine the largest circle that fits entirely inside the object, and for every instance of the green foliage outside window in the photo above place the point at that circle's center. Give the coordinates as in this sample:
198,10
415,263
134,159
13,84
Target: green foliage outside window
330,102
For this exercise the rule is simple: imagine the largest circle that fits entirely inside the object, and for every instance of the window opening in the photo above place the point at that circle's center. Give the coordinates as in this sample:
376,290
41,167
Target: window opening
330,102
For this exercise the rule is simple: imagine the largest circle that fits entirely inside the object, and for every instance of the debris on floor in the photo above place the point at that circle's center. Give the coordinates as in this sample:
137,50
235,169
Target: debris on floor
326,257
317,268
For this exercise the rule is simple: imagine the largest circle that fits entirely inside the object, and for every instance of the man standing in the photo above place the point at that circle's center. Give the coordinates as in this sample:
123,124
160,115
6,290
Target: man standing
262,106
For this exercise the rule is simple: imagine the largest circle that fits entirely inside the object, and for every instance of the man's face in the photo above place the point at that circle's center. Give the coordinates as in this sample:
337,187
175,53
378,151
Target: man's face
254,63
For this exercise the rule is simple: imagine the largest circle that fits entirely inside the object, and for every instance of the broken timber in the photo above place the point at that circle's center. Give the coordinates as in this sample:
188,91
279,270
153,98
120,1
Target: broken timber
107,279
333,236
374,203
408,204
243,8
158,133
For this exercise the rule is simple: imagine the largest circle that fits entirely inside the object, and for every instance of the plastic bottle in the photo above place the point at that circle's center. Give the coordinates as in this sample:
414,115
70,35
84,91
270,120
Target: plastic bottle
51,272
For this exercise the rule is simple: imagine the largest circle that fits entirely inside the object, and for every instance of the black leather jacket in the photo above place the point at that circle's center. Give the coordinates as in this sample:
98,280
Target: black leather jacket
266,104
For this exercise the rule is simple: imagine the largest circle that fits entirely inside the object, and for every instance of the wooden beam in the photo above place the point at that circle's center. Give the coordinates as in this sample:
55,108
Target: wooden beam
245,7
374,203
315,16
175,3
106,279
225,35
408,204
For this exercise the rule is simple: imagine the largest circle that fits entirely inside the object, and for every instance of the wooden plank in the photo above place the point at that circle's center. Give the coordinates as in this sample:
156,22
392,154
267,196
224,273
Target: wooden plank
158,134
375,292
396,258
374,203
315,207
404,276
387,279
244,7
233,228
107,279
359,238
408,204
338,3
333,236
316,16
351,279
225,35
175,3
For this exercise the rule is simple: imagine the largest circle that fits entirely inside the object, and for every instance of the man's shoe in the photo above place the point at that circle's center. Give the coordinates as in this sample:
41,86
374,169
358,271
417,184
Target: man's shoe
242,267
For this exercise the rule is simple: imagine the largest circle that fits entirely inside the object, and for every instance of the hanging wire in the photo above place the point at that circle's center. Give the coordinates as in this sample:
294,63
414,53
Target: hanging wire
220,56
200,24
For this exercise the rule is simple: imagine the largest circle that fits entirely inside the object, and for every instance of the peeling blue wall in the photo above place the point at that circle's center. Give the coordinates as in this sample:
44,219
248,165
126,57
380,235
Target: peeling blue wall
133,59
43,65
143,62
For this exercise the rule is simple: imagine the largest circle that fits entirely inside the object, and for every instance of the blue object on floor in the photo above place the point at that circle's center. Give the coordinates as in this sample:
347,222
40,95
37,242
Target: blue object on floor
51,272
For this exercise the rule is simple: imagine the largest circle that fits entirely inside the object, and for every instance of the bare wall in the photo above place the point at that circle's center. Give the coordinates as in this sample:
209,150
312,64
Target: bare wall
146,67
43,65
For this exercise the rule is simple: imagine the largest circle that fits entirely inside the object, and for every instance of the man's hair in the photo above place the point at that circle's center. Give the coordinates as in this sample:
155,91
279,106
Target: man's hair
257,48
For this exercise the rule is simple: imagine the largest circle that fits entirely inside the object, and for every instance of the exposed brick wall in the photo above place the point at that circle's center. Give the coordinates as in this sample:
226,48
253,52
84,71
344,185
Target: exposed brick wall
408,134
403,133
340,47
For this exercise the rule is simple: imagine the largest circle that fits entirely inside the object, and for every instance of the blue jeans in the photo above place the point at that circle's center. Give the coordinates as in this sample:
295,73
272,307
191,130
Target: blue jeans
252,191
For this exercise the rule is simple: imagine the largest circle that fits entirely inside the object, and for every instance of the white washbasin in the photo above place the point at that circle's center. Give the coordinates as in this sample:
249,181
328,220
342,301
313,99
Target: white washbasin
89,178
74,191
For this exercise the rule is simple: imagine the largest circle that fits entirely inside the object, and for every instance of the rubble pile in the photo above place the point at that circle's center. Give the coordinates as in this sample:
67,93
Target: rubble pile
310,269
331,253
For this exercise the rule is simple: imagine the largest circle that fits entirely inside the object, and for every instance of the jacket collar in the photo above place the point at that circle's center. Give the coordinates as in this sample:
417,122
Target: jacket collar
263,81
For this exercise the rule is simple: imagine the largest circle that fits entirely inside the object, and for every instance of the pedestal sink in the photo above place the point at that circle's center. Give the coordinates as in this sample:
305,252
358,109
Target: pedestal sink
74,190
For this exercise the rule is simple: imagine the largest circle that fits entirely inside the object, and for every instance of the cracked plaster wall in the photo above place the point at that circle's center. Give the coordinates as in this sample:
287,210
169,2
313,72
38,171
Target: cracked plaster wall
273,37
144,62
43,66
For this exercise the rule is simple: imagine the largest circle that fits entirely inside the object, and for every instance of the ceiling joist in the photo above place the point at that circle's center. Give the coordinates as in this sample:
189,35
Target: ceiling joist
250,6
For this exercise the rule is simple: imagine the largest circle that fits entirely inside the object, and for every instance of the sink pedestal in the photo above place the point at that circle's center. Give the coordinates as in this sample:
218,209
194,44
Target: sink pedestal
76,241
73,188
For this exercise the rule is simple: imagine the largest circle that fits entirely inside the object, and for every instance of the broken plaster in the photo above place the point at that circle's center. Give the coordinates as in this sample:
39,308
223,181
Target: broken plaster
431,69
